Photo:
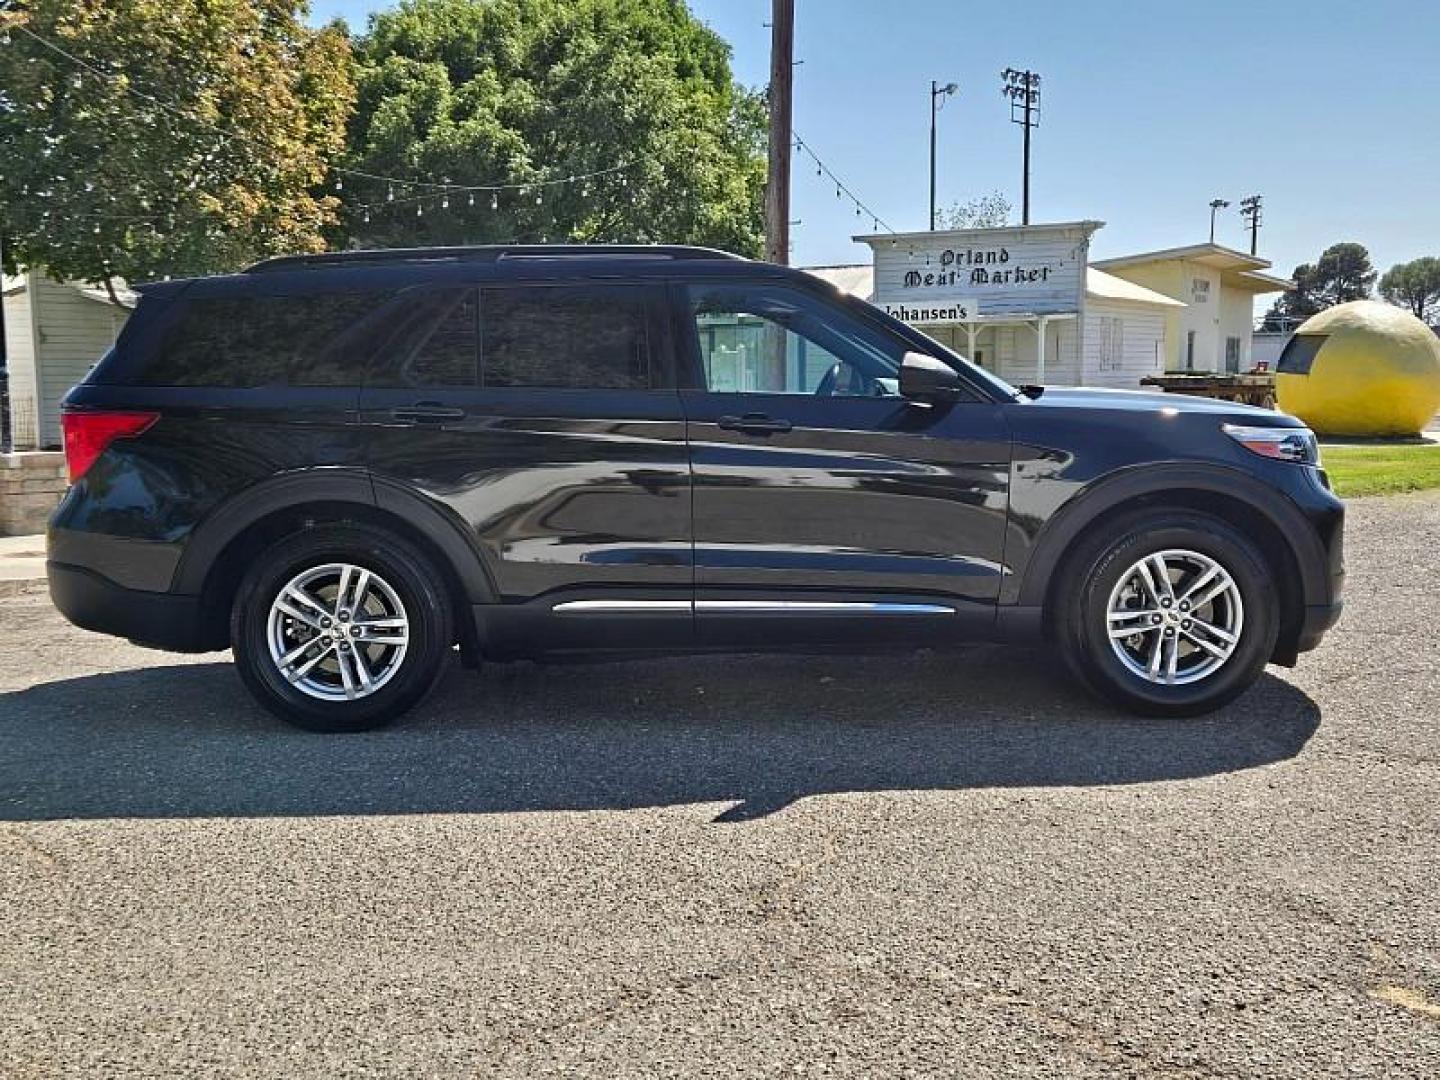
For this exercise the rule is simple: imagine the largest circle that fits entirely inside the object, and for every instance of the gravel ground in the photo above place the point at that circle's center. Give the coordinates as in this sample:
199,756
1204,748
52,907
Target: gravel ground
932,865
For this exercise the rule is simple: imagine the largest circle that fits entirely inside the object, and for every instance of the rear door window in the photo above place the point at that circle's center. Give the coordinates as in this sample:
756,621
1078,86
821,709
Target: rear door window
591,337
247,340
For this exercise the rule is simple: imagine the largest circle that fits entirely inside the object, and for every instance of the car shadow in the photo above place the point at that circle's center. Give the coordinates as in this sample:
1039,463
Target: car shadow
755,731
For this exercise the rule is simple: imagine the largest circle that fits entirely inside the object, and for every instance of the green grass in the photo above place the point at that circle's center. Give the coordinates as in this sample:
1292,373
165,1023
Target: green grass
1381,470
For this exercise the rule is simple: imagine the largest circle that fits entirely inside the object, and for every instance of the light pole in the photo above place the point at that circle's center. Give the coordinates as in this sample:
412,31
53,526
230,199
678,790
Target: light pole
1215,204
938,94
1250,211
1022,88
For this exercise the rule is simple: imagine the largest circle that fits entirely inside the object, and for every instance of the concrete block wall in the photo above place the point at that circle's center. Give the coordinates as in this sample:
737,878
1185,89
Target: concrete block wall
31,484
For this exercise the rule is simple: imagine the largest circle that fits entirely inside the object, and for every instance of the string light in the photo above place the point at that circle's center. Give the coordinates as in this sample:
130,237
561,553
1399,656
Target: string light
444,187
842,190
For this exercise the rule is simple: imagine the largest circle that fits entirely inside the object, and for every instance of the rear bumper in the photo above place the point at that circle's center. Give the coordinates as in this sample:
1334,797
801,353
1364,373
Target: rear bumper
94,602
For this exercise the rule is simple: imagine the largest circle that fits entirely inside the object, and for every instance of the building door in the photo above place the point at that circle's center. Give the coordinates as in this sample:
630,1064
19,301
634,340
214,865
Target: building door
1232,355
827,507
1190,350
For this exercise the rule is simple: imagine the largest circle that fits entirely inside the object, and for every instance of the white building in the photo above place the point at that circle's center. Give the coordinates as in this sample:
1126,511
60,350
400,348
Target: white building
1027,303
1213,331
54,334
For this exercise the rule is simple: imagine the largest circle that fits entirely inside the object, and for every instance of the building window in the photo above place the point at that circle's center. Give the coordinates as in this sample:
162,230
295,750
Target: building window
1190,350
1232,354
1112,343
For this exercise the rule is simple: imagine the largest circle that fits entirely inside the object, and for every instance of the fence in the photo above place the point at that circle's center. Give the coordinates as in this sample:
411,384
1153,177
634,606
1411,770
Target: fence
19,419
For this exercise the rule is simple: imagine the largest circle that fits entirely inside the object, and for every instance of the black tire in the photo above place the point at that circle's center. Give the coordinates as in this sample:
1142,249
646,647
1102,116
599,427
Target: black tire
413,579
1102,560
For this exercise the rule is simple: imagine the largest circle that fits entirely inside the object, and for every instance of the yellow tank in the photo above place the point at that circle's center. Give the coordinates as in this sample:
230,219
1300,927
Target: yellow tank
1362,368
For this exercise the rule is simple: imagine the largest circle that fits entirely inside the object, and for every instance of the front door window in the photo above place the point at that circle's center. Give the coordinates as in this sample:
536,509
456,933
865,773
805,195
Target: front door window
776,340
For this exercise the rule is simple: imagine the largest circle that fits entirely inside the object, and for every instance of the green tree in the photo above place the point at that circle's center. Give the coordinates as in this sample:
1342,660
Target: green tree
982,212
520,92
1414,285
176,137
1341,274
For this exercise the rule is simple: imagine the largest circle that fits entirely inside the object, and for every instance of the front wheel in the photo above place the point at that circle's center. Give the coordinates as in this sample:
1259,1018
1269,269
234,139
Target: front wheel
340,628
1170,614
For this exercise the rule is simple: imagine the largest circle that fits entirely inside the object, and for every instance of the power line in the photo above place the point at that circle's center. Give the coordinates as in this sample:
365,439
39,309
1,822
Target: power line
436,188
821,169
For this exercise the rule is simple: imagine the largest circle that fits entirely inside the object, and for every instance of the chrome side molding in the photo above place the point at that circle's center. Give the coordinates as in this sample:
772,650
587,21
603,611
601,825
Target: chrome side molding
621,607
756,607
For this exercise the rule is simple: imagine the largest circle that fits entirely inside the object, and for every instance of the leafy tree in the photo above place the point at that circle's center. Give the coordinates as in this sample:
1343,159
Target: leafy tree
982,212
519,92
1414,285
177,137
1341,274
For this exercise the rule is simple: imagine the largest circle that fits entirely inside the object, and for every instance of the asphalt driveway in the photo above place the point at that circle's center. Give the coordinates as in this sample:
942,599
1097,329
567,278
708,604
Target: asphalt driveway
924,865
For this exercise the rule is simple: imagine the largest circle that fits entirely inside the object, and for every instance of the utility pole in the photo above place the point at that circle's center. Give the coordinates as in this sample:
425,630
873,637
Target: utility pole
1023,90
938,94
1215,204
1250,211
777,188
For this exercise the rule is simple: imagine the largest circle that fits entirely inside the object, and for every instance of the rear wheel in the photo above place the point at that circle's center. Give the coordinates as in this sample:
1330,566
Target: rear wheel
341,628
1170,613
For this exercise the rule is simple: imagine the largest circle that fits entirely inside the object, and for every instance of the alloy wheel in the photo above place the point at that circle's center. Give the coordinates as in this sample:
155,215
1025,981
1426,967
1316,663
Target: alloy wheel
1175,617
338,632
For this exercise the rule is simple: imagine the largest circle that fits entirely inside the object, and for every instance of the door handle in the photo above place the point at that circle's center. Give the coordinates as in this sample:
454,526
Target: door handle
754,424
426,413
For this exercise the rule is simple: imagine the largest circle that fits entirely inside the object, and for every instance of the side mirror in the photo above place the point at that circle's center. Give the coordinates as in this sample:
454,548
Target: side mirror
924,378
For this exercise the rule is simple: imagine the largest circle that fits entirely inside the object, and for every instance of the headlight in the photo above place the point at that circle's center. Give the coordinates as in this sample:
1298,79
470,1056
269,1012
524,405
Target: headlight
1283,444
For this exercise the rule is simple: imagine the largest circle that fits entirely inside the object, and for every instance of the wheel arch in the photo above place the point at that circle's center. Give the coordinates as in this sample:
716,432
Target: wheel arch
217,555
1261,513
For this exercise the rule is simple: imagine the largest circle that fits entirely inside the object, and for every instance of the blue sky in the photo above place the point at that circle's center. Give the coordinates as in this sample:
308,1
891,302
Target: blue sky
1330,109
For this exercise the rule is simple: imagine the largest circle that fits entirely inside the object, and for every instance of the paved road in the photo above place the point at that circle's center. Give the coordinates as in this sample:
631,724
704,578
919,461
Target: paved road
933,865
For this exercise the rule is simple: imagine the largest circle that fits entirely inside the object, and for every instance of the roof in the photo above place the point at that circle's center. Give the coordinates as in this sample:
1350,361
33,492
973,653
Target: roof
490,253
1237,269
858,279
1109,287
934,235
1215,256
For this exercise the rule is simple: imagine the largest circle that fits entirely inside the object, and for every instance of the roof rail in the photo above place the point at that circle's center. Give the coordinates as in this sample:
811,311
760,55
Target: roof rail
487,253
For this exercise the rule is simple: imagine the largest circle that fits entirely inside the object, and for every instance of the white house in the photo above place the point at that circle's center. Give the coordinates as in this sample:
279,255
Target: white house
54,333
1022,301
1214,330
1027,303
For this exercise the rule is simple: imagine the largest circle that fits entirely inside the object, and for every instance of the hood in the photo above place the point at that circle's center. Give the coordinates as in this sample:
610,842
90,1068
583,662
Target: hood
1075,397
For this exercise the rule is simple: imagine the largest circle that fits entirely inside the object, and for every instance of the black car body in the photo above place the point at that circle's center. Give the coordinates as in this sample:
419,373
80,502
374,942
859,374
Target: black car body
585,450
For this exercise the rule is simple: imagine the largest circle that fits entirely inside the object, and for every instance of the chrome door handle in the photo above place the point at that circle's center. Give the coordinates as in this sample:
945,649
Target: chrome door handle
426,414
754,424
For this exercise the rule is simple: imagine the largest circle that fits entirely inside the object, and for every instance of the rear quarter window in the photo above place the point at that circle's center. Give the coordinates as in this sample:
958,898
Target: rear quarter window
248,340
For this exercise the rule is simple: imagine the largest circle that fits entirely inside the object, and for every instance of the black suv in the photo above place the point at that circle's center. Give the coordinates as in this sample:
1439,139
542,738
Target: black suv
343,466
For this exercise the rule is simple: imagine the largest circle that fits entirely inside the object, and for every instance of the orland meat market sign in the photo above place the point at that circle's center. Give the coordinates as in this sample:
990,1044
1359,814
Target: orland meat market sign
964,275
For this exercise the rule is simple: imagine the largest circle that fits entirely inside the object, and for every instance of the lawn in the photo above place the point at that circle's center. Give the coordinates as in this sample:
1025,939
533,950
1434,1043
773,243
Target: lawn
1381,470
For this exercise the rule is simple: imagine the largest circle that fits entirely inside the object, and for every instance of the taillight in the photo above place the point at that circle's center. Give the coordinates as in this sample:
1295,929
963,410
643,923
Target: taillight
89,431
